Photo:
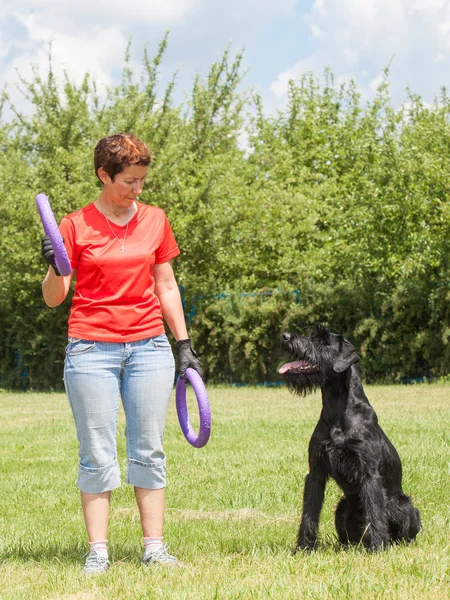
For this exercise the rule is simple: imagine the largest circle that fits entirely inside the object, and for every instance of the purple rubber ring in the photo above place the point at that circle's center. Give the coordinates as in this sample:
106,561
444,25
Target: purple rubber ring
200,440
52,231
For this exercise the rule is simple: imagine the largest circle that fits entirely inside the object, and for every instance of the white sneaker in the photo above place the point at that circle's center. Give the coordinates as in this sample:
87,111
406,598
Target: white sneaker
160,557
95,564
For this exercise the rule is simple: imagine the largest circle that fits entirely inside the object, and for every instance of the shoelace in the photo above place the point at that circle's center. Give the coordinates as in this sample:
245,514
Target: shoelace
162,553
94,561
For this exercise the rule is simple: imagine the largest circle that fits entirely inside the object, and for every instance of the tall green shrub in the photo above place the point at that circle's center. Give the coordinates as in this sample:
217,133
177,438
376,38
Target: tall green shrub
343,200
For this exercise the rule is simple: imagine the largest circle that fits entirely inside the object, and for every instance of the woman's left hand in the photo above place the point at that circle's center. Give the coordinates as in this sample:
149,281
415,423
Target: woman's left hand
187,358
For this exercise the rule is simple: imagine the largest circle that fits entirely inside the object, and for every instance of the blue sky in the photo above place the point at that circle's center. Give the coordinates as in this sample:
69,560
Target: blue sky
282,40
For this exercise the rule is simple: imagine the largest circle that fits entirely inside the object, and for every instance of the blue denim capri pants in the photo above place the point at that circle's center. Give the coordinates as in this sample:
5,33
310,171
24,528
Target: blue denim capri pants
96,376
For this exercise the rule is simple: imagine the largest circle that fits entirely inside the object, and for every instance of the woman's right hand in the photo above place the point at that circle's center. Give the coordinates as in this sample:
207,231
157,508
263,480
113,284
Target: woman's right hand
54,287
48,253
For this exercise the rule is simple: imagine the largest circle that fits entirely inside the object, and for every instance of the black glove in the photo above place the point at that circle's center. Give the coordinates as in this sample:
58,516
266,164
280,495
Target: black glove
187,357
48,254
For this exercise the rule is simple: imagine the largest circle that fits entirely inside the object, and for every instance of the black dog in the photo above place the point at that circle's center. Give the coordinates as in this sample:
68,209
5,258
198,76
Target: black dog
348,445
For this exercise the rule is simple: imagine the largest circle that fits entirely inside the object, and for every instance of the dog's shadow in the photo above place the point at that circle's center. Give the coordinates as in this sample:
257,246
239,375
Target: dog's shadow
333,545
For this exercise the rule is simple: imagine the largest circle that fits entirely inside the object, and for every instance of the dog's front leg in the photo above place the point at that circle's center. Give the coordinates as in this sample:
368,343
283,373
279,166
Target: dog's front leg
312,505
373,502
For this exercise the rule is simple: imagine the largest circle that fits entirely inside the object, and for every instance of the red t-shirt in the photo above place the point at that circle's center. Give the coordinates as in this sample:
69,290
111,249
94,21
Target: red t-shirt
114,299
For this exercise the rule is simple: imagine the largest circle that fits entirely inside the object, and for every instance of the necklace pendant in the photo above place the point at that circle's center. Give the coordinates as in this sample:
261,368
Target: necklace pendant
122,249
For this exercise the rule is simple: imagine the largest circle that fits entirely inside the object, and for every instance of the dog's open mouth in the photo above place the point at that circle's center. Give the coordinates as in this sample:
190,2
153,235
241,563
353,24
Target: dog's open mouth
298,366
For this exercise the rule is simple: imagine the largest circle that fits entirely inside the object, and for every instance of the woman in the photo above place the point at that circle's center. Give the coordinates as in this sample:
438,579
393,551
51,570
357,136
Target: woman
121,252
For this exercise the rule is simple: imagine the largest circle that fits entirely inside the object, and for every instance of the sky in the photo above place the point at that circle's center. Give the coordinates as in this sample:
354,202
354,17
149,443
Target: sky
282,39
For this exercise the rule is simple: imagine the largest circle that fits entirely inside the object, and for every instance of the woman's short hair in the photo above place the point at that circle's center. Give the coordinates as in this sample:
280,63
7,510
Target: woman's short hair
119,151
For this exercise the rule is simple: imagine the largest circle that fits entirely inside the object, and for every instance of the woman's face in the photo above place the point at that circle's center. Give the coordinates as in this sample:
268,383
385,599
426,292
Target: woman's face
126,186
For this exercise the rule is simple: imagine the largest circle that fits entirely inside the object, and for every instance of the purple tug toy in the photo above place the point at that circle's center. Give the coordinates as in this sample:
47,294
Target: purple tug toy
52,231
200,440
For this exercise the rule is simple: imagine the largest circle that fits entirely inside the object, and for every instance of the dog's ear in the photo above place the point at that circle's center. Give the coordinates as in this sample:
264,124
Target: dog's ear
346,357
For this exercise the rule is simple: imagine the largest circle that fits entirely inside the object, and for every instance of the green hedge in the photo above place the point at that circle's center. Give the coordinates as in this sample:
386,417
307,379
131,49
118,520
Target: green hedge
239,336
343,200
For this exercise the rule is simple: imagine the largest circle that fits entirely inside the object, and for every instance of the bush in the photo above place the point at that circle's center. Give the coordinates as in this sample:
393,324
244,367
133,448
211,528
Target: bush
348,203
238,335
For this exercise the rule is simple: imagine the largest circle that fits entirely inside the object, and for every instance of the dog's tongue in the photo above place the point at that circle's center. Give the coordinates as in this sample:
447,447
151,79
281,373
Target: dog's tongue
297,364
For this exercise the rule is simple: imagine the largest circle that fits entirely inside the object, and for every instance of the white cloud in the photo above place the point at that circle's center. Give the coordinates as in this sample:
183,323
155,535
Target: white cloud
319,7
315,30
280,86
242,10
96,51
355,36
91,35
67,14
375,83
350,56
430,7
3,50
375,27
87,36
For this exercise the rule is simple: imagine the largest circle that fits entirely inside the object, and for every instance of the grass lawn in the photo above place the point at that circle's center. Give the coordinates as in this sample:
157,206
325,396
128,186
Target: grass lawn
233,507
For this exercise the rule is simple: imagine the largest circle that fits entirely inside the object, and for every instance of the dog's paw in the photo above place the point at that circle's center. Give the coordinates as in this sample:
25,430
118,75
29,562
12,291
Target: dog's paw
376,546
304,547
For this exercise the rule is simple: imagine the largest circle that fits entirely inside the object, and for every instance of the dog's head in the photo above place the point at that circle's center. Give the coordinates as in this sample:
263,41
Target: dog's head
317,358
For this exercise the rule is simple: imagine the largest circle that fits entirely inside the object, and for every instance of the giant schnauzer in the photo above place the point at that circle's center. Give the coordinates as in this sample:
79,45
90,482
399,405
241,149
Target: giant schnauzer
348,445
